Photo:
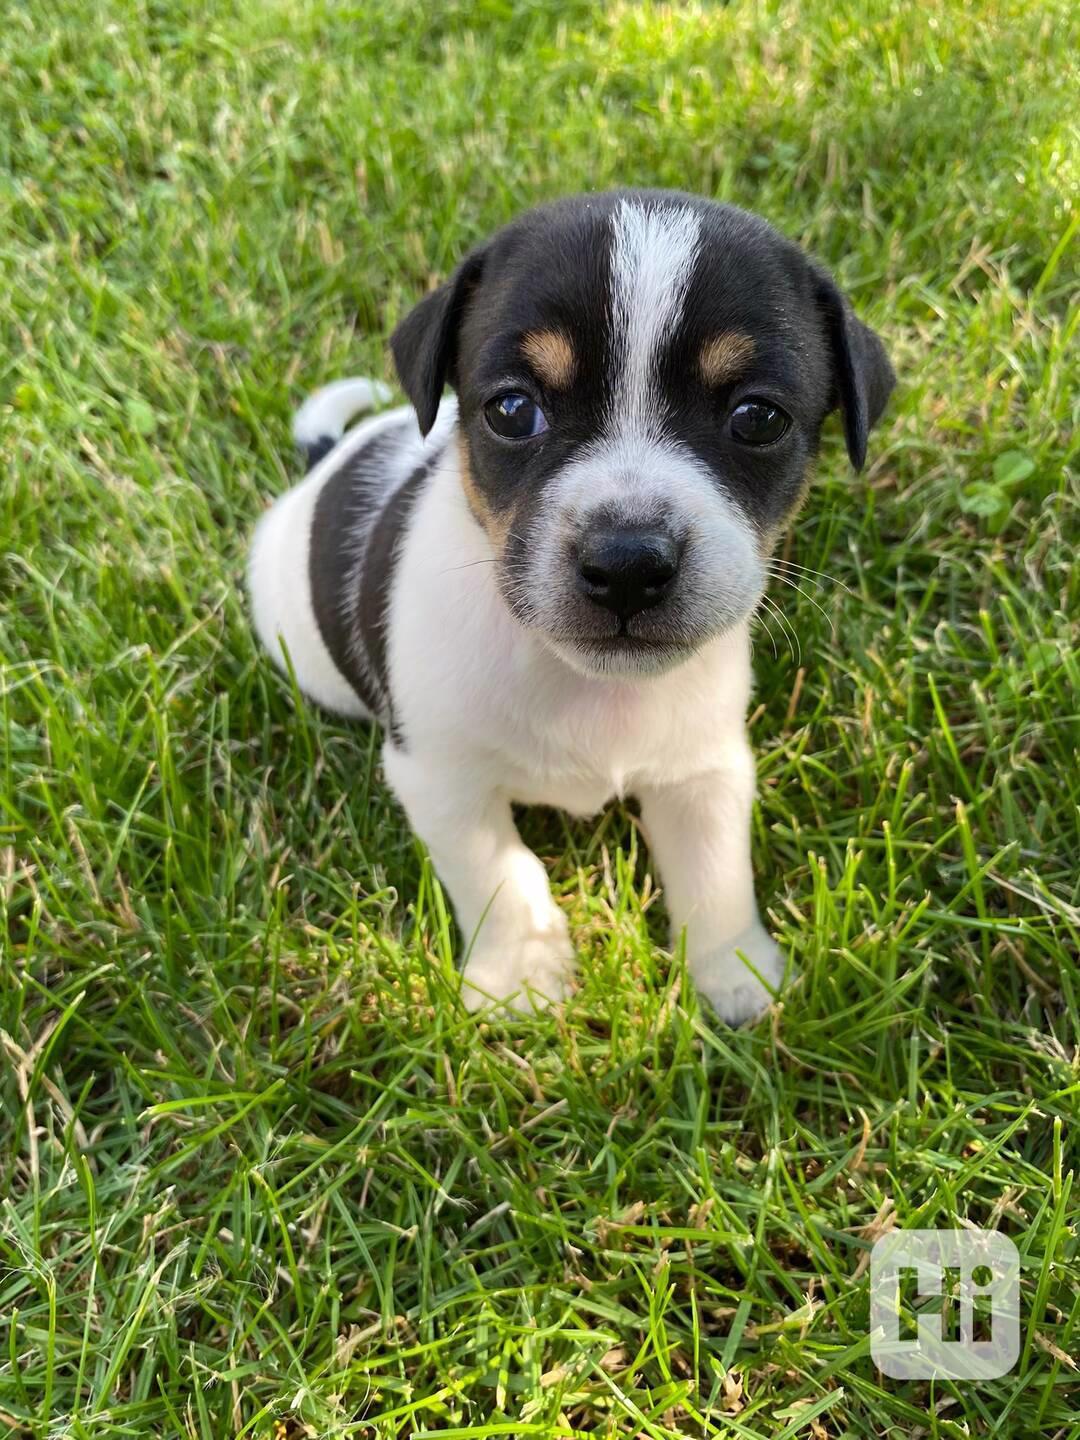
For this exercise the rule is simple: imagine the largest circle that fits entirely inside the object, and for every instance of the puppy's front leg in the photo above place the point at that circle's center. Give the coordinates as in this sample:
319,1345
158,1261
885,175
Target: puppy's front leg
499,889
699,833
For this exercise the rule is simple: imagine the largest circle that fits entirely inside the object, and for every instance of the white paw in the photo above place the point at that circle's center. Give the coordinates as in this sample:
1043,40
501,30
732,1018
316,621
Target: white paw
731,988
524,973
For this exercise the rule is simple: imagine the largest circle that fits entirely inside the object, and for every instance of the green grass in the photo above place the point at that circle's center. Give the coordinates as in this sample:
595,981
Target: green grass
260,1175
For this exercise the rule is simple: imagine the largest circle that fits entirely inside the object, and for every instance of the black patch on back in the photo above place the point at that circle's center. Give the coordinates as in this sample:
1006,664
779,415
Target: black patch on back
339,510
355,626
380,559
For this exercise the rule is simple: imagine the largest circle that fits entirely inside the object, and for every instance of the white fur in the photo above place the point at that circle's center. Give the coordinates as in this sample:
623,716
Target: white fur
653,252
491,714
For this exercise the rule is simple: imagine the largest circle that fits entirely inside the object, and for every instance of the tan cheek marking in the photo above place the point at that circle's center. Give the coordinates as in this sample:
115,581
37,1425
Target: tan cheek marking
724,356
495,527
551,355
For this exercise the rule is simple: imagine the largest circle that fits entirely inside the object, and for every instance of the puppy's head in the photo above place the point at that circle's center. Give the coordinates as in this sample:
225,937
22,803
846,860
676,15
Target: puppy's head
643,378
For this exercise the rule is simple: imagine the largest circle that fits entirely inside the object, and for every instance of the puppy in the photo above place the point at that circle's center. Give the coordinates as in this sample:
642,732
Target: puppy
542,587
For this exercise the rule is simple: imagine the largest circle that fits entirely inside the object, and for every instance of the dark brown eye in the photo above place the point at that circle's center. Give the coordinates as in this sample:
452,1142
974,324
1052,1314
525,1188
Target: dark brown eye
758,422
514,416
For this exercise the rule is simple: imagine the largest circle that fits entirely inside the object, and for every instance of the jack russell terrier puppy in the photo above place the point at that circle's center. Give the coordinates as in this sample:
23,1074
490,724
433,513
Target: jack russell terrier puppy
542,587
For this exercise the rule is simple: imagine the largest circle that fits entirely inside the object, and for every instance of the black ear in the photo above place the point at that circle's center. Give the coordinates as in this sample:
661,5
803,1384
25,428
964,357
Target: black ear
424,345
863,377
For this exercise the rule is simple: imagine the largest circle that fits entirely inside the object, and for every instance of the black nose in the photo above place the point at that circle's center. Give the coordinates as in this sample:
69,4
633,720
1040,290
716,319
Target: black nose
628,569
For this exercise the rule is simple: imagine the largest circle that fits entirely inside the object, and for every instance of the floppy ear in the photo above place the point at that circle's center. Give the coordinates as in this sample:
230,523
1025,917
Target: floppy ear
424,344
863,376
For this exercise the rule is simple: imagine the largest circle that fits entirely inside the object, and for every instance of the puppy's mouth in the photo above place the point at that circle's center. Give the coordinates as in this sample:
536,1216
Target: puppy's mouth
621,653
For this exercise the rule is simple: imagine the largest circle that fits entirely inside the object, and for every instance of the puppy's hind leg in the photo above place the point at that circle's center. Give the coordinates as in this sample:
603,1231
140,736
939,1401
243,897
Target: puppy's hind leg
520,945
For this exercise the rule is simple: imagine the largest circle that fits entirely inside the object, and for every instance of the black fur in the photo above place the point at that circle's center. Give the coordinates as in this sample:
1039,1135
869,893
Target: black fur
424,345
344,501
863,376
381,556
317,450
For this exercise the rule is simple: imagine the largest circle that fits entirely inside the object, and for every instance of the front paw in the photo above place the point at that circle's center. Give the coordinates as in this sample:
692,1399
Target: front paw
524,973
726,981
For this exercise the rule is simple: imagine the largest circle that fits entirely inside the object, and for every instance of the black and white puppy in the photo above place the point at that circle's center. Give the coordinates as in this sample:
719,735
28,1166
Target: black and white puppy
542,589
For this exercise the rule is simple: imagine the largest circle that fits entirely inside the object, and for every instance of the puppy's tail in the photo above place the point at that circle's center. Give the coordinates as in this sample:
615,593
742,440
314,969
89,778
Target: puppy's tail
321,420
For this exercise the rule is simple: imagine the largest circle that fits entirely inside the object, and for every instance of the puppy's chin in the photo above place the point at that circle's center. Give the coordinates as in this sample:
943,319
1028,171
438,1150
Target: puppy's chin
619,658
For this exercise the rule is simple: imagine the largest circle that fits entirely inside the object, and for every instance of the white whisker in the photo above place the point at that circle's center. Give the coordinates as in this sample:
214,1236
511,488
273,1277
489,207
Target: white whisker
468,565
768,631
806,570
786,580
787,629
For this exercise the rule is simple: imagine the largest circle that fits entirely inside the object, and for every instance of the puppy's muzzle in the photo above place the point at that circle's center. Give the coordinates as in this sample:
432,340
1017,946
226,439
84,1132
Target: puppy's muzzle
627,569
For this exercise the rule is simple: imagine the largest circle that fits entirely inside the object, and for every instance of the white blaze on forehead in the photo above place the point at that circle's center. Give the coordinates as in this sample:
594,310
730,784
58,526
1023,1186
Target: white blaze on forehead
654,248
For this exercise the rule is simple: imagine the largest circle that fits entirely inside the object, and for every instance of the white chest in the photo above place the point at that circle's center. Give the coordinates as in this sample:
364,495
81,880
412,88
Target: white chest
470,680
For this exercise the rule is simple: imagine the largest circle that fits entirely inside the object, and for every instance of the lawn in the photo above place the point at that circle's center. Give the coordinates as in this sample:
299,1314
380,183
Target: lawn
260,1173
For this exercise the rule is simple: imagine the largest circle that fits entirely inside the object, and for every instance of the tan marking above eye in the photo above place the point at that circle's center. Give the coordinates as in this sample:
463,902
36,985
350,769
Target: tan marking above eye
724,357
551,355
